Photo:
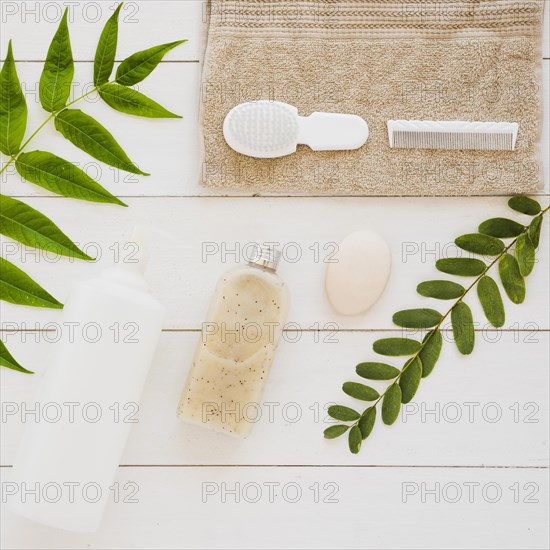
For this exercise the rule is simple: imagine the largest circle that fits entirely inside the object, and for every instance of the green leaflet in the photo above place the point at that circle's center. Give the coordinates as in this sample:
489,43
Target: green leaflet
395,347
89,135
130,101
60,176
417,318
480,244
355,439
360,391
410,379
141,64
18,288
534,231
344,414
491,301
463,328
106,50
465,267
376,371
512,280
525,254
23,223
366,422
525,205
391,404
442,290
7,360
13,108
429,354
502,228
57,76
335,431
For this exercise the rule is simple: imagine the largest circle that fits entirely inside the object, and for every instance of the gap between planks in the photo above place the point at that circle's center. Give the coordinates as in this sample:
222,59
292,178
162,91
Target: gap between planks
313,331
328,466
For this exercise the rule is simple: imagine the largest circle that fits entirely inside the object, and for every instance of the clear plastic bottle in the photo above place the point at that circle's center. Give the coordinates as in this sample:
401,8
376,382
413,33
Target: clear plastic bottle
238,343
65,469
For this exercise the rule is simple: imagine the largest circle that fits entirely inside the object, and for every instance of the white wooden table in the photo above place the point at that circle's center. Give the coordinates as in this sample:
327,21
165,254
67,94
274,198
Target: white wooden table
472,474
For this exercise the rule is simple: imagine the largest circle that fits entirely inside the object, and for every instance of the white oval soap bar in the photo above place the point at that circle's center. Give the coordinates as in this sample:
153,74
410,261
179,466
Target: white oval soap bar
358,273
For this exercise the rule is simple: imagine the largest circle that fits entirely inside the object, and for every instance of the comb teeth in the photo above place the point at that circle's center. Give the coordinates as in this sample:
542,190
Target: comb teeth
263,126
479,136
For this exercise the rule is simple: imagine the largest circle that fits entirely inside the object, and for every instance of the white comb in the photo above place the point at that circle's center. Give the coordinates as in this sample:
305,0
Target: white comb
271,129
453,134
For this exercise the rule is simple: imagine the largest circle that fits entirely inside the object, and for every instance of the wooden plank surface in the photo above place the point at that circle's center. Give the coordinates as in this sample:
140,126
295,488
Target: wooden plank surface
465,414
192,241
376,508
401,491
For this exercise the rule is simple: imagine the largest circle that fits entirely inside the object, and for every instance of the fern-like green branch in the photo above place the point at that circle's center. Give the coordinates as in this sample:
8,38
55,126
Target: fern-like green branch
19,221
422,356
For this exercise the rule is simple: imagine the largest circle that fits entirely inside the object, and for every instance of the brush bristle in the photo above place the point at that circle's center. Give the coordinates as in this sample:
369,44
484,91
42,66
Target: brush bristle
262,127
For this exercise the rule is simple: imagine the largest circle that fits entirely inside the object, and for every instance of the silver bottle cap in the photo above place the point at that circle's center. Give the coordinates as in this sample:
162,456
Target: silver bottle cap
267,257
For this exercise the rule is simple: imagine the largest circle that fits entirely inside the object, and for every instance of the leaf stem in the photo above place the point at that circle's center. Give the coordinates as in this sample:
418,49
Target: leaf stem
52,115
437,327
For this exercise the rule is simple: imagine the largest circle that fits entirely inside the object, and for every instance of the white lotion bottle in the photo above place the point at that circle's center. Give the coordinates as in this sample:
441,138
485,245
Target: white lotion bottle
238,343
88,399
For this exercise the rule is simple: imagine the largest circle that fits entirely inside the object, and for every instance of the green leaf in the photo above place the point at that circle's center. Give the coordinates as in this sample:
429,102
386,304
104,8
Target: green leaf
17,287
28,226
335,431
366,422
13,108
57,76
463,328
480,244
525,254
410,379
7,360
60,176
503,228
442,290
525,205
344,414
534,231
491,301
429,354
376,371
355,440
141,64
106,50
394,347
465,267
89,135
511,278
417,318
391,404
360,391
132,102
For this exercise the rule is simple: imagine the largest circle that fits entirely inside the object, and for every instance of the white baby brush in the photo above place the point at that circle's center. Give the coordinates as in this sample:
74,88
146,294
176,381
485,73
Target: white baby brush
271,129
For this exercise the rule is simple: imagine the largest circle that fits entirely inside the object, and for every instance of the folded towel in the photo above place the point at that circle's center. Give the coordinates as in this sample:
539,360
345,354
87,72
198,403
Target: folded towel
477,60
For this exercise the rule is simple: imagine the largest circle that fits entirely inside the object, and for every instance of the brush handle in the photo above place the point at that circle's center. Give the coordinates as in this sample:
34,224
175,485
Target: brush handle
332,131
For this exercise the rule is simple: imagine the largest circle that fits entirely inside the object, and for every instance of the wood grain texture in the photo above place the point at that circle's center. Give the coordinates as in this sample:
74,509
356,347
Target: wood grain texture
170,462
193,241
155,22
466,413
375,510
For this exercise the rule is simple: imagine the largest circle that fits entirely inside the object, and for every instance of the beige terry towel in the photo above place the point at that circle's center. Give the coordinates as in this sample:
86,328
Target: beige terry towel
380,59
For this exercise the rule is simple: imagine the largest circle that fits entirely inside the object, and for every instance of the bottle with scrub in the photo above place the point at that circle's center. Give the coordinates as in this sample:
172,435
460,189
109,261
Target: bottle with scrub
238,343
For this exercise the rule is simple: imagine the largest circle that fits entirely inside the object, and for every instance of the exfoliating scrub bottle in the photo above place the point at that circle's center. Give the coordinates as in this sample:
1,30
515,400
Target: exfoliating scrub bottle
88,401
238,342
